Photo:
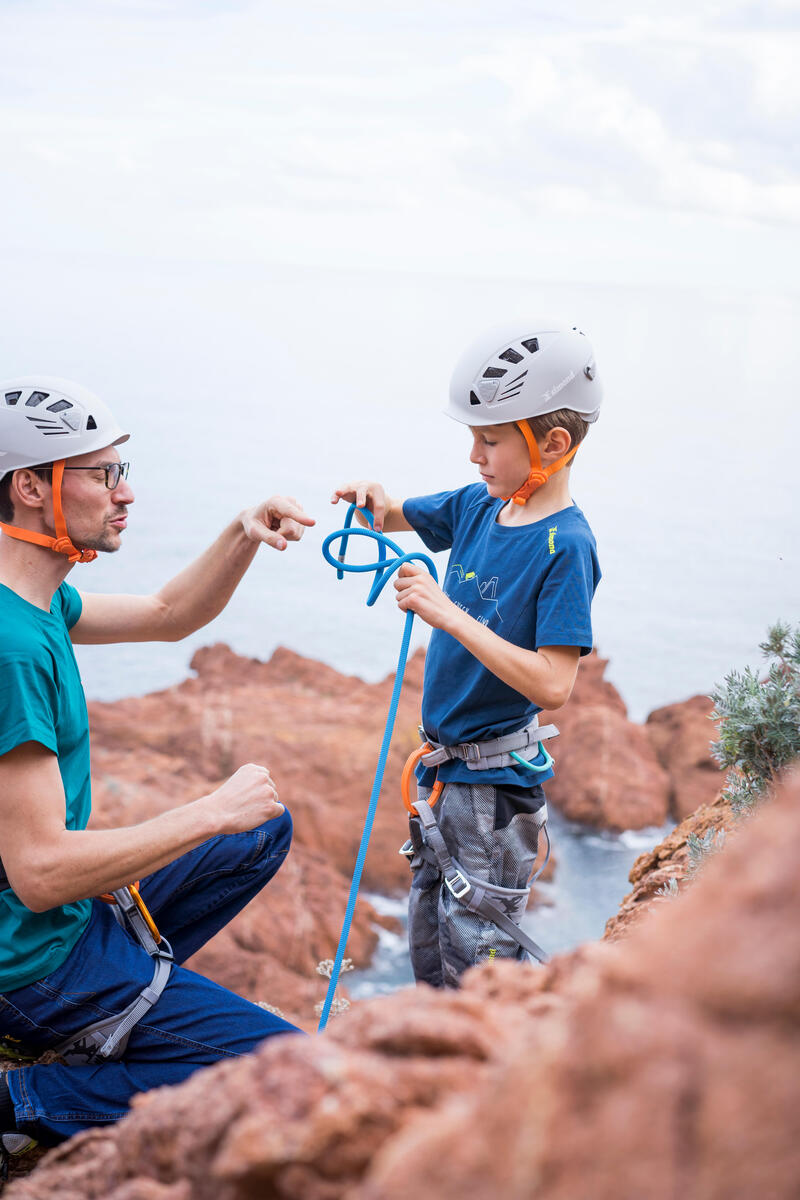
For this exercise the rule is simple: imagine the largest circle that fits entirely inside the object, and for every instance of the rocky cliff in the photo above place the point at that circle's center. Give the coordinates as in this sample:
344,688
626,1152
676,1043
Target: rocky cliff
663,1065
319,732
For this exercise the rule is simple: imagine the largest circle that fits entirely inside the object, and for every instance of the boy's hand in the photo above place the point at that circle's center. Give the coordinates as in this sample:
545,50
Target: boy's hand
364,494
276,521
418,591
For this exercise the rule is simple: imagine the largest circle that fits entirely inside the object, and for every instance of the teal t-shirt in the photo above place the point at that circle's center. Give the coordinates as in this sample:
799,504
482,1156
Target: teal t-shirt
42,700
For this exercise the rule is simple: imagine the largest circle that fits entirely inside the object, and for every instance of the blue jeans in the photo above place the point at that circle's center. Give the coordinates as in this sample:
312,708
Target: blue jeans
194,1022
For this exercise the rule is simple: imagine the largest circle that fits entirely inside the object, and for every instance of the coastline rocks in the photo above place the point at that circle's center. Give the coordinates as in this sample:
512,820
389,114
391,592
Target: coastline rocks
624,1069
681,736
607,773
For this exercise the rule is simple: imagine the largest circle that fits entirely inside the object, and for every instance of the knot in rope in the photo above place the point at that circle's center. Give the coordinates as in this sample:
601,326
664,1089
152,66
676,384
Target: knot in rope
384,568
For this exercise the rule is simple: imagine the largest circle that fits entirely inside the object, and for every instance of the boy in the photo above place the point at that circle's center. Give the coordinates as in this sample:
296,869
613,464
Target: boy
509,627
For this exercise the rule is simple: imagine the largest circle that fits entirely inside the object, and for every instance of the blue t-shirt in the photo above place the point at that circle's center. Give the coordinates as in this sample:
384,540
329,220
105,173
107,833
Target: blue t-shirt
532,585
41,700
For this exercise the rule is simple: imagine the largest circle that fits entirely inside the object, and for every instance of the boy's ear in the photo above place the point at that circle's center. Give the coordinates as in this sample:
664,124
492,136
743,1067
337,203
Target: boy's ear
557,443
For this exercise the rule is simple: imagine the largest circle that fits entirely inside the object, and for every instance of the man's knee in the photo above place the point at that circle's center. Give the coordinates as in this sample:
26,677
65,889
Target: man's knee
279,833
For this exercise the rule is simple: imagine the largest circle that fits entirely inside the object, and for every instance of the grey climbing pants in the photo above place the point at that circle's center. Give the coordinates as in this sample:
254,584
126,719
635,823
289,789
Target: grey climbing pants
492,832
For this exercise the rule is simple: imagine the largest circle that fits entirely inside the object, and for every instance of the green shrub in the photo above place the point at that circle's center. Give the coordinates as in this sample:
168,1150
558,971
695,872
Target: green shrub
759,730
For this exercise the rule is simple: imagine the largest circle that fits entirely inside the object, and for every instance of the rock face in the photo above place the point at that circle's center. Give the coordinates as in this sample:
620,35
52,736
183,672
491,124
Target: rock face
608,773
680,735
319,732
663,1065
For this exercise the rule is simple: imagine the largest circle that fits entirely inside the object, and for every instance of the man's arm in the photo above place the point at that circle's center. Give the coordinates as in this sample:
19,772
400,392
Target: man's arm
545,676
48,864
387,513
200,592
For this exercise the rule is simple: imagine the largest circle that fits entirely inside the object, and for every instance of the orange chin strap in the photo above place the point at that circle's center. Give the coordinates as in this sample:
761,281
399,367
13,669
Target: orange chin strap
61,543
538,475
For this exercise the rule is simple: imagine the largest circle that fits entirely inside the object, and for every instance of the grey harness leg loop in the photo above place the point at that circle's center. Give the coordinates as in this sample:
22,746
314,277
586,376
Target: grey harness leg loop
489,901
106,1039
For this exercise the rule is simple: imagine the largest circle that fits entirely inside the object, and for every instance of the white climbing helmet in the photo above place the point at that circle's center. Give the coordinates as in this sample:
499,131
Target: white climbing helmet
43,419
522,370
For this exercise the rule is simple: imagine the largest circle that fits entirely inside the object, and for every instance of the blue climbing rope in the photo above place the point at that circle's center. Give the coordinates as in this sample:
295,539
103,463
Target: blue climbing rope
384,568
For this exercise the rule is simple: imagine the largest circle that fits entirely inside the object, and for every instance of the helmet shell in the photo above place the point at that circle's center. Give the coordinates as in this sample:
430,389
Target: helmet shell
43,419
523,370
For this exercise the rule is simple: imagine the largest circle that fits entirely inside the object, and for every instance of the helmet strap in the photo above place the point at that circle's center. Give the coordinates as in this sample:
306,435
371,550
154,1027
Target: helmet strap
61,543
538,475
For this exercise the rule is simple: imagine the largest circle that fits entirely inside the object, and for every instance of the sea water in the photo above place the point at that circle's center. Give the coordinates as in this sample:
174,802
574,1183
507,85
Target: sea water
240,381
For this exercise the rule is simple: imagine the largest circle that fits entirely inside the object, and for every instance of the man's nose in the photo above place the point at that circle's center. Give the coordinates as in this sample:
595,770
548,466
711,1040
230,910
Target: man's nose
123,492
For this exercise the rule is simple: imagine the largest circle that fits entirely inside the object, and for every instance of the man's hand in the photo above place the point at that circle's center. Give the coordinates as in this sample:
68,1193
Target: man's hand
276,522
245,801
418,591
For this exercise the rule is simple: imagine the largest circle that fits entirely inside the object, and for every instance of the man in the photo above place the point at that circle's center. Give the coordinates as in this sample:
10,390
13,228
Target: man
103,989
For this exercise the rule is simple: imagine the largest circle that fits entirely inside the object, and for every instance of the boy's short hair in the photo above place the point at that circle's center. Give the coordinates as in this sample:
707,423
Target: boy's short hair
6,507
562,418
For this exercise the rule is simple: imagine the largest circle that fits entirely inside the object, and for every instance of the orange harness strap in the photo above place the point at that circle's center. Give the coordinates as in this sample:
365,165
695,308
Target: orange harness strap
61,543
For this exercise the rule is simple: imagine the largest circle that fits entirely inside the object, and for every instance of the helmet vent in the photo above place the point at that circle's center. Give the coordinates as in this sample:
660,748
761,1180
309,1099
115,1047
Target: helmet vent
12,397
473,399
531,345
59,406
512,356
91,423
513,387
36,398
494,372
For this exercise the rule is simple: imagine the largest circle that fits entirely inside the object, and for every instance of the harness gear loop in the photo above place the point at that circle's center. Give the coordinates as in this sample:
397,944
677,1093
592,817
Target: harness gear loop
61,543
405,778
133,889
538,475
383,570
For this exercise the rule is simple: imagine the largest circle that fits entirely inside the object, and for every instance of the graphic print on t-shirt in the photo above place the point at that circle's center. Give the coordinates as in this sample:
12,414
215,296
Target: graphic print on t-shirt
476,596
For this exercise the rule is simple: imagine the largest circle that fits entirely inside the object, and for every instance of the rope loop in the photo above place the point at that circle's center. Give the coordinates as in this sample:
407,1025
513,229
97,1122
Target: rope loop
384,568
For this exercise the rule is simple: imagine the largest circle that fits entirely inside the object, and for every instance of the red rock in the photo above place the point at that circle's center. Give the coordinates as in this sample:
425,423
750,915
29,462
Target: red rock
681,735
663,1065
607,773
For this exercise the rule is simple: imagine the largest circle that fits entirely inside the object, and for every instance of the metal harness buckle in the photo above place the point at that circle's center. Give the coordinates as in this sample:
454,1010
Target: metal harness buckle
454,881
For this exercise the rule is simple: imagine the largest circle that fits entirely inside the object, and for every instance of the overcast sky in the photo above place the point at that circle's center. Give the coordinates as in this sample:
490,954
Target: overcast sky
620,143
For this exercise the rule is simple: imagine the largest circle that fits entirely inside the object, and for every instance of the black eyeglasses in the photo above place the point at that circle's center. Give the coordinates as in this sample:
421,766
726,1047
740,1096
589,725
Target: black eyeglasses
114,472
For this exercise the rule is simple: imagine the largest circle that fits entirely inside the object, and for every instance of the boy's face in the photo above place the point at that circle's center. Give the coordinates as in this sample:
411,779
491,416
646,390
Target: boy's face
501,455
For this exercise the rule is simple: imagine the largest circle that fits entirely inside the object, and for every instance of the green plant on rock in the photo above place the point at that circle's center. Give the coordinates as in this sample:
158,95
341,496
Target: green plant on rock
759,731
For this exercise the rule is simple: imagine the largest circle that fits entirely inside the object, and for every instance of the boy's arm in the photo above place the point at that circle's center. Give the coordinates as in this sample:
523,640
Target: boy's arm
545,676
387,513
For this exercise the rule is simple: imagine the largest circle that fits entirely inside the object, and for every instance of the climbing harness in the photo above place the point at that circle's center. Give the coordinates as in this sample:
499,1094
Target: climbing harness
503,906
106,1039
383,569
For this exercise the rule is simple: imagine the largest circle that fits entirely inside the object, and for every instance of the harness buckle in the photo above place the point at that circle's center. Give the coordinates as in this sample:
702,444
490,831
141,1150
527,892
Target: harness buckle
472,751
458,885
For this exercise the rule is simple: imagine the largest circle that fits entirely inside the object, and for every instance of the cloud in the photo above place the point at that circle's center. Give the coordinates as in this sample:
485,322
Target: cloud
392,133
